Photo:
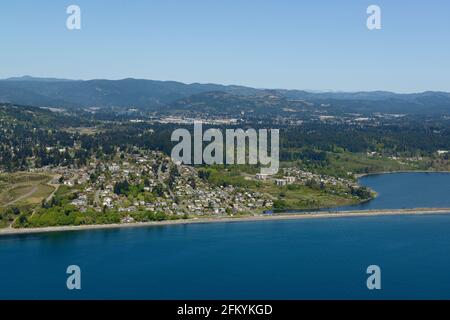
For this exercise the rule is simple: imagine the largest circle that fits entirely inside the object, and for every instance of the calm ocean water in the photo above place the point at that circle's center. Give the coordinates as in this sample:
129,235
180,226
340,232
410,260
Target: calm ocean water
407,190
301,259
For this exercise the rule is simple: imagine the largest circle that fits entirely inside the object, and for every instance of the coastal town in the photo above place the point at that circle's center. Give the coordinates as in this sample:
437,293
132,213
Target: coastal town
151,181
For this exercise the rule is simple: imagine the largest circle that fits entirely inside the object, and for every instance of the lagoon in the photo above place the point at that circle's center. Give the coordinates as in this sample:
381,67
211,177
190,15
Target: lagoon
406,190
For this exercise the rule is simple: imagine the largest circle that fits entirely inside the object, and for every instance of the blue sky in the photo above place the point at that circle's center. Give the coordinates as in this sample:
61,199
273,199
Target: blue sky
316,45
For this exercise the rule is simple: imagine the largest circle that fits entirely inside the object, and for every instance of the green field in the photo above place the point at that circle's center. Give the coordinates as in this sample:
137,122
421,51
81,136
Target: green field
21,191
361,163
305,198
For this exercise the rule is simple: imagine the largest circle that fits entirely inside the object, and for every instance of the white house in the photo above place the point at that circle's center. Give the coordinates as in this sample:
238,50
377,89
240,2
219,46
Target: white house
261,176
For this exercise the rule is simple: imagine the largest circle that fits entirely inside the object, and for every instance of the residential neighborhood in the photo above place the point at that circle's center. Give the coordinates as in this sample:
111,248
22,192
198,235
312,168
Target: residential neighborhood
151,181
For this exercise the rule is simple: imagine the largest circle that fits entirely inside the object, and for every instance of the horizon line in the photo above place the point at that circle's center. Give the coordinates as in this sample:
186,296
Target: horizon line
313,91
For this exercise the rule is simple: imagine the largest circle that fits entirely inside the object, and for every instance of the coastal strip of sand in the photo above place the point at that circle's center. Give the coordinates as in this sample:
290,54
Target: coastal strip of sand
263,217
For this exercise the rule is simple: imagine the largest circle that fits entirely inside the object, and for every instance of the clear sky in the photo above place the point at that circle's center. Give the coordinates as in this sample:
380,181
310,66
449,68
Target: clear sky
294,44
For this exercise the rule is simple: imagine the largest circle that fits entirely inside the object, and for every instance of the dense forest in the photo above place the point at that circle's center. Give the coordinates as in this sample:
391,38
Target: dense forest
35,137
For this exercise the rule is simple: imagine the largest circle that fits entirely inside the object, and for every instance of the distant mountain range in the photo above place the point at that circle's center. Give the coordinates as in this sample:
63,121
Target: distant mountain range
154,95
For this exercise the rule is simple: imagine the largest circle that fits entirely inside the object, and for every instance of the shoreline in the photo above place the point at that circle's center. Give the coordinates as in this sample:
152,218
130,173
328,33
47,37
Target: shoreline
304,215
361,175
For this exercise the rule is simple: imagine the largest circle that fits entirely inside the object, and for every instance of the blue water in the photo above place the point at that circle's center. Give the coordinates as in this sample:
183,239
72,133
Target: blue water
406,191
298,259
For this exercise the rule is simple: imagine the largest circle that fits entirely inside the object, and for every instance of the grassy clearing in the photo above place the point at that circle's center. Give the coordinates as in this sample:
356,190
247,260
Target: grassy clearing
302,197
15,192
83,130
21,192
360,163
239,176
42,192
23,188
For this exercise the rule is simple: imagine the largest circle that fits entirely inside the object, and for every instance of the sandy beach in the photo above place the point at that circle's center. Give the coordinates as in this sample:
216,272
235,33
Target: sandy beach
303,215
